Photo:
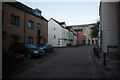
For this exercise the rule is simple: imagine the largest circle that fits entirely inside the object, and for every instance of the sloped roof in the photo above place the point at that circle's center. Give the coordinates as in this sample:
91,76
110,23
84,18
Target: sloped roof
24,8
74,32
62,23
58,23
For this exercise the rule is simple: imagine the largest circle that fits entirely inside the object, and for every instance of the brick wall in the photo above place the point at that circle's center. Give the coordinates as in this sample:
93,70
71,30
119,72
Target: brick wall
10,29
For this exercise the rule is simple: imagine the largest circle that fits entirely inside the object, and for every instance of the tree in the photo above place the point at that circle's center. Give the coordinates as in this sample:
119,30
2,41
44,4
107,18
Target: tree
95,31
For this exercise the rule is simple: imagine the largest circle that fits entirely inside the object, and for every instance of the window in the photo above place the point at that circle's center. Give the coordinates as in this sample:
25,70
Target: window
54,36
30,24
30,40
38,29
39,14
54,28
58,41
96,41
15,20
38,32
38,26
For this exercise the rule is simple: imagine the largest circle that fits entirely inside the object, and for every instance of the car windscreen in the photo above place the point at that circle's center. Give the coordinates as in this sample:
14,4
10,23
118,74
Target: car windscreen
30,46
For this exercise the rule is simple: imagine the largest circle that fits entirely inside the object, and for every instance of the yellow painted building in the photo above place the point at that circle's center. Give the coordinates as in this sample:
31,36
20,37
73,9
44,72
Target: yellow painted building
87,36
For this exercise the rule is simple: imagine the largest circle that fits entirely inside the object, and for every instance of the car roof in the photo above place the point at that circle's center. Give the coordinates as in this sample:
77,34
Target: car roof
22,44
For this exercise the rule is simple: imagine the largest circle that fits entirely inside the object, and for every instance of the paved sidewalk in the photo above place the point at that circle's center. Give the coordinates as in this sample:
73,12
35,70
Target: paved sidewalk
111,70
30,63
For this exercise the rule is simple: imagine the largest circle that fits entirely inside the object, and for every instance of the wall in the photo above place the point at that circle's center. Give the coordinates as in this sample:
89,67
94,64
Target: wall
64,36
70,37
87,34
80,37
33,32
75,40
10,29
60,33
109,24
51,32
1,39
118,18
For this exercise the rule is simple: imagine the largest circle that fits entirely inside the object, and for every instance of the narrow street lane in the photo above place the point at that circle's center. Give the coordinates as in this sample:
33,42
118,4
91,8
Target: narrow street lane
69,63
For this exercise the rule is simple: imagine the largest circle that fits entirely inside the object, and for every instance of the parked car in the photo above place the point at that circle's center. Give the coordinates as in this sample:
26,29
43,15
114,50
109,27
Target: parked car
28,50
46,47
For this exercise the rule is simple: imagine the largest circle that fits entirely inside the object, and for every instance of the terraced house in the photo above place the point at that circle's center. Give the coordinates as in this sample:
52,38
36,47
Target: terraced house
22,24
84,34
57,33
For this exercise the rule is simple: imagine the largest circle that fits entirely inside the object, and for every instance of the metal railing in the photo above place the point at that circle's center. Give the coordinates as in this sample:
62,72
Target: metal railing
111,54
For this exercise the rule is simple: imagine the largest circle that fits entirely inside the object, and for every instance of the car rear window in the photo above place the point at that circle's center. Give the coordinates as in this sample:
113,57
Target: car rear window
48,44
30,46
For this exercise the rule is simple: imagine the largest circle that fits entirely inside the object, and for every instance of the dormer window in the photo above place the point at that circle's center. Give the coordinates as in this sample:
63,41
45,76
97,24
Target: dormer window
39,14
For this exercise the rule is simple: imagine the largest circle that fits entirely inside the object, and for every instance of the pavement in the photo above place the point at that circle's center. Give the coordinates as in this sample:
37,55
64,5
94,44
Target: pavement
30,63
73,62
111,69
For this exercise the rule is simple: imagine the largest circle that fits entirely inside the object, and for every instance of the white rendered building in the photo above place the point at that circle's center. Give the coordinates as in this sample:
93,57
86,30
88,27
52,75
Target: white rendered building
108,23
57,33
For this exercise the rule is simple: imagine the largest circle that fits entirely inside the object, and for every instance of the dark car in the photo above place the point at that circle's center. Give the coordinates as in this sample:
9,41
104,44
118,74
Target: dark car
46,47
28,50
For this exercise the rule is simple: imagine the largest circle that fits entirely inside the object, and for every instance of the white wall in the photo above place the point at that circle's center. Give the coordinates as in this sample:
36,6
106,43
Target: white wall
75,40
70,36
64,36
51,32
109,24
59,32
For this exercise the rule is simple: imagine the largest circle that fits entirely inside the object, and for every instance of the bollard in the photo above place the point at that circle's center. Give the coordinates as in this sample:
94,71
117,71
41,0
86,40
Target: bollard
97,52
104,59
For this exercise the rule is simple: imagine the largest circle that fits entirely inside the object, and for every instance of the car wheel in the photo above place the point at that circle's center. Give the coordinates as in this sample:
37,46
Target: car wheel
29,55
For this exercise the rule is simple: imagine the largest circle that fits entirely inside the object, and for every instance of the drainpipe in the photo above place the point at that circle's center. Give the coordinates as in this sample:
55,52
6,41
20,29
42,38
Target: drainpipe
24,25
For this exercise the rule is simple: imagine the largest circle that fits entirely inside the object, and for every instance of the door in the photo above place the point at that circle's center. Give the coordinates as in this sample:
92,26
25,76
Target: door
92,41
84,42
14,39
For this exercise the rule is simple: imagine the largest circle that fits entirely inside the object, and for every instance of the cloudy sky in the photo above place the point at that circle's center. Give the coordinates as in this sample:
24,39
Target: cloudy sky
72,12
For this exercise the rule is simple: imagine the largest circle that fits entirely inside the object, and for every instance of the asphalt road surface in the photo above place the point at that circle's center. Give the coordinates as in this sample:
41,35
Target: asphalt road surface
69,63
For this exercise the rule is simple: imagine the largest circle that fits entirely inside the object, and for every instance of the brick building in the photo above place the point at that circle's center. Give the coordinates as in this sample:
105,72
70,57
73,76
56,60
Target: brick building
22,24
